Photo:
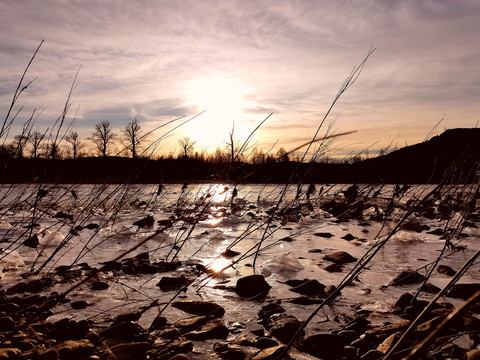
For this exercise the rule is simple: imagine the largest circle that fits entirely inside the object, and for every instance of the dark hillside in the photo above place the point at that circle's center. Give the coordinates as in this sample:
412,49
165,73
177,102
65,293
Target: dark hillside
455,150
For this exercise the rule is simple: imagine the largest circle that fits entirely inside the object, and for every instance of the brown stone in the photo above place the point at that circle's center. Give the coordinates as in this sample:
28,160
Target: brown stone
340,257
214,329
271,353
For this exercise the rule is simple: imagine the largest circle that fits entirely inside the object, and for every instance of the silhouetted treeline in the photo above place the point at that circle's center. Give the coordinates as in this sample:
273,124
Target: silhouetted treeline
454,154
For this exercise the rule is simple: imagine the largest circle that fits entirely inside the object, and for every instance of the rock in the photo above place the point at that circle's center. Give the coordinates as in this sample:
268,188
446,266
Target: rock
9,353
146,222
80,304
446,270
324,346
170,333
404,300
325,235
340,257
9,307
128,351
229,253
199,307
389,342
268,310
244,340
415,226
158,323
92,226
179,357
284,327
123,330
407,277
75,349
437,232
265,342
167,350
232,353
252,286
18,288
34,286
99,285
333,268
271,353
130,316
6,324
429,325
473,354
169,283
384,331
463,291
66,329
348,237
63,215
190,324
32,241
315,251
45,354
214,329
309,287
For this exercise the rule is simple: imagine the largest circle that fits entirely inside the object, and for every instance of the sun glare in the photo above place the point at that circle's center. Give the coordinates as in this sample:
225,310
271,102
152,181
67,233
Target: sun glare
223,101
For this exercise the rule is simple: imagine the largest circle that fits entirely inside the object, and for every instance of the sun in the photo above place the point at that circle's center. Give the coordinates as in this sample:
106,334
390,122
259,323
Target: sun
223,102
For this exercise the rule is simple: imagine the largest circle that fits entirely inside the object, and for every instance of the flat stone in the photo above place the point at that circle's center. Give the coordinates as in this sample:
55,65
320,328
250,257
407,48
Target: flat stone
214,329
199,307
340,257
271,353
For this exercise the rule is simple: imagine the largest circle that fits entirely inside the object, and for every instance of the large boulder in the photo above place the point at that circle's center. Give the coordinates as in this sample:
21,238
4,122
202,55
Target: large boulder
252,286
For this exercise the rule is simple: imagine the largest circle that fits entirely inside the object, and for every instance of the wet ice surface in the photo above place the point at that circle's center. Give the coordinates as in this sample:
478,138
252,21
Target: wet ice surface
205,222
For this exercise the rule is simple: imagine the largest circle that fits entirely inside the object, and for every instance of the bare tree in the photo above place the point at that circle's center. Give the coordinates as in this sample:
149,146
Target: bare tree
133,137
103,137
19,144
75,142
187,146
53,151
36,139
232,146
282,155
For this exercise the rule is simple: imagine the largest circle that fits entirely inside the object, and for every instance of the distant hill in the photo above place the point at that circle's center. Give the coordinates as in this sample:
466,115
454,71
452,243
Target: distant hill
455,155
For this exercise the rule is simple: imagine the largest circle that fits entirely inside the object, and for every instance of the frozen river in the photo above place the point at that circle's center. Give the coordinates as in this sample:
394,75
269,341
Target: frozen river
282,232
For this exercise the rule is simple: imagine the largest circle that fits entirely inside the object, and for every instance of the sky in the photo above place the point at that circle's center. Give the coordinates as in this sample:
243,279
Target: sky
228,64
